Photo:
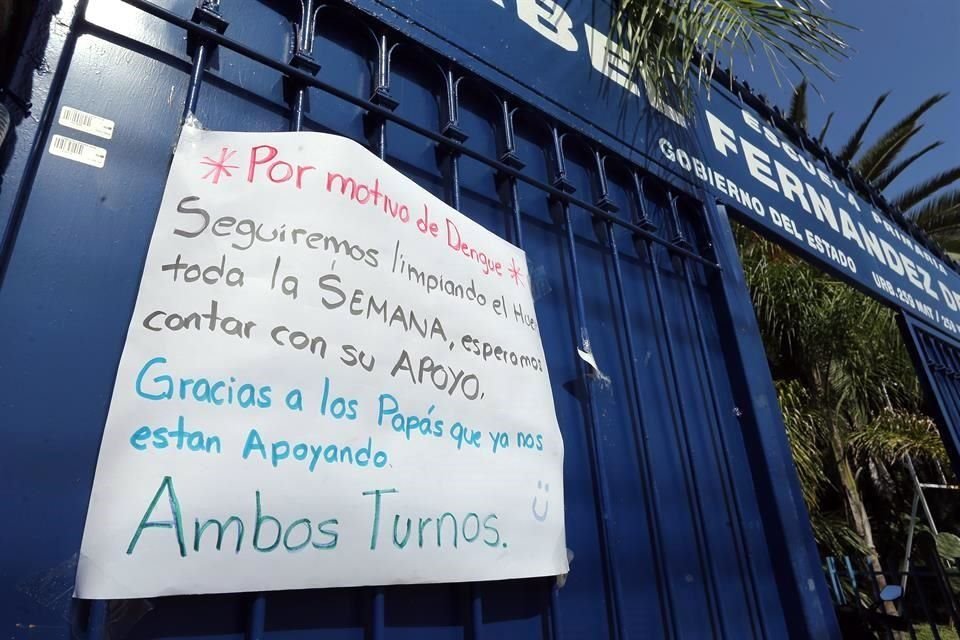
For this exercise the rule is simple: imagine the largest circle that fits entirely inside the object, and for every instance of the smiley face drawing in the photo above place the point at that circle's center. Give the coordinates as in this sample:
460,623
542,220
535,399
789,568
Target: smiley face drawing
545,488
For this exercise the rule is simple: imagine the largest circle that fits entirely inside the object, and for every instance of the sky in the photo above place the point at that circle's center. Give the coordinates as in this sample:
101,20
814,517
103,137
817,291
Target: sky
908,47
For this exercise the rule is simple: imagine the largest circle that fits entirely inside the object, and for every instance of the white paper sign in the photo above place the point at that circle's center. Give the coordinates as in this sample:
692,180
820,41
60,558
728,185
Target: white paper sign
331,378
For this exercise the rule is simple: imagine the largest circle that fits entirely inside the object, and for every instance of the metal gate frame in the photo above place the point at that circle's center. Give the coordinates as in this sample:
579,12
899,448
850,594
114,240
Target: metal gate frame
784,519
936,357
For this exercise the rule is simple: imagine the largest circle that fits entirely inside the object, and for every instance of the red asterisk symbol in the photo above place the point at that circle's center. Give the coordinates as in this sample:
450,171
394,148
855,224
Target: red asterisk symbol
219,167
515,273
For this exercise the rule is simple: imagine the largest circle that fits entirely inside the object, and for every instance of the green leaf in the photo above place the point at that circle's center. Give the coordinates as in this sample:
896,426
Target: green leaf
939,217
895,434
797,113
925,189
884,181
823,132
879,157
948,545
671,45
883,153
853,144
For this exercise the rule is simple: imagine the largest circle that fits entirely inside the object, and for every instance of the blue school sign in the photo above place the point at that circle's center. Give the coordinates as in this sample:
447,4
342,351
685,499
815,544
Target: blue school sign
559,53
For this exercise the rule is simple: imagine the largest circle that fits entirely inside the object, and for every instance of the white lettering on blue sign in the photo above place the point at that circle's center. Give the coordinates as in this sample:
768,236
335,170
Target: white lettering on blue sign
552,22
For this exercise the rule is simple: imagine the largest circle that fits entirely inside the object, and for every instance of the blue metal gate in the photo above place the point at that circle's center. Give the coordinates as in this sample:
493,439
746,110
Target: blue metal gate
684,515
937,360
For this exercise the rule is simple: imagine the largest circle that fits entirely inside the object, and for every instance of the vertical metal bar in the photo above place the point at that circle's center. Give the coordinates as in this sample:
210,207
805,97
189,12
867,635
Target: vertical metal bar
925,363
597,466
834,581
923,499
476,611
908,551
560,180
258,617
296,114
513,200
196,78
297,108
450,164
379,143
377,617
294,91
510,157
949,377
601,491
854,583
207,13
720,447
683,438
926,609
554,627
97,626
801,583
647,479
942,371
375,126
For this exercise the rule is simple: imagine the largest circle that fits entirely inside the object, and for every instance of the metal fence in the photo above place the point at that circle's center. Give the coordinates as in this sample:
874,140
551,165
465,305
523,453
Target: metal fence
928,607
683,512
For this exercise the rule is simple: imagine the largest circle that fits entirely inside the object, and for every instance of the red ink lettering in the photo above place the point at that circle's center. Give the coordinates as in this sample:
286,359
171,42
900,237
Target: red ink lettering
427,226
255,160
362,193
278,171
301,169
455,241
287,168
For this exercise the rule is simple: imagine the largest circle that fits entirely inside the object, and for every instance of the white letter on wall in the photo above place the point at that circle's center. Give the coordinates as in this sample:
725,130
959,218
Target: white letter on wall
548,19
611,59
722,135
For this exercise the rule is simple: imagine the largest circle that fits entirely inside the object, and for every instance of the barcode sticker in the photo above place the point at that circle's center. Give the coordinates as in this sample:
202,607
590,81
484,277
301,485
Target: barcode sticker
86,122
78,151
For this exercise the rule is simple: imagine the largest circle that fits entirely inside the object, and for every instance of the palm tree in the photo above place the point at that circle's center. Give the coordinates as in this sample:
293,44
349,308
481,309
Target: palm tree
674,44
848,392
849,396
847,389
882,162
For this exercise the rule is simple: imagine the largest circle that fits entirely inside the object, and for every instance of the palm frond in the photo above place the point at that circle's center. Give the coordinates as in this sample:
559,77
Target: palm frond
835,536
882,153
667,43
797,114
853,144
925,189
894,434
879,157
939,217
823,132
891,174
801,422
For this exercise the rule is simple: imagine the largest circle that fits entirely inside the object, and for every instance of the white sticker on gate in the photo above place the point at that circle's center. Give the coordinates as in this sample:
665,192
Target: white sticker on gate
78,151
86,122
330,378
